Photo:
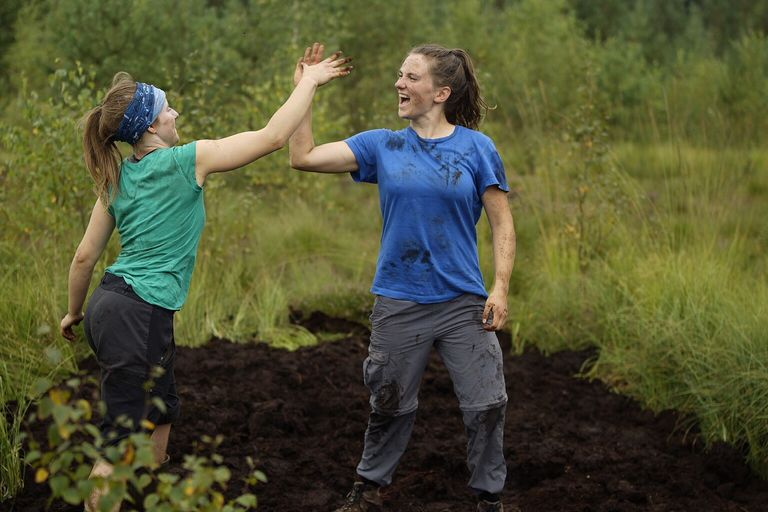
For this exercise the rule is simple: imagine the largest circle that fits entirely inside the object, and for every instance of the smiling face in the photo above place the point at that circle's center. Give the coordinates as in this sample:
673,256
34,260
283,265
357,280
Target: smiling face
417,94
165,125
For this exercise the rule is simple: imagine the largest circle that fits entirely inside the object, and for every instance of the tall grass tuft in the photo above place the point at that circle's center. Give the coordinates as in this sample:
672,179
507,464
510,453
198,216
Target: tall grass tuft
13,409
29,328
684,331
673,298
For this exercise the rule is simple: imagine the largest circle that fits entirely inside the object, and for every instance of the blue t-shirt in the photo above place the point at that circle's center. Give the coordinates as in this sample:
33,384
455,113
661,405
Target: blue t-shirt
430,194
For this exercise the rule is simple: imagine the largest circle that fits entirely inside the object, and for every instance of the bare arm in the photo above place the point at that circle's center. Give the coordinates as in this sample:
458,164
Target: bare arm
504,246
89,251
334,157
243,148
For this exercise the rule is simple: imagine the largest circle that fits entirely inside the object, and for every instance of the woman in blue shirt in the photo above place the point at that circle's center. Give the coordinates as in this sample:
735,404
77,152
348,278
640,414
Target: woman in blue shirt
155,200
434,179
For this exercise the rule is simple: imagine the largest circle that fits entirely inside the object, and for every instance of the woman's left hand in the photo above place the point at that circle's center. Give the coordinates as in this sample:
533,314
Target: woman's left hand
495,312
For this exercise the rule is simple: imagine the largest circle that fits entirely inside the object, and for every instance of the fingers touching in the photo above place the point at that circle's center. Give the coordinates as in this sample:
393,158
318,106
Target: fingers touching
323,70
316,53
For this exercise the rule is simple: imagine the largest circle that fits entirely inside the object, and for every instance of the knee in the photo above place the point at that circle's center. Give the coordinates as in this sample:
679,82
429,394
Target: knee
383,380
387,399
488,419
169,414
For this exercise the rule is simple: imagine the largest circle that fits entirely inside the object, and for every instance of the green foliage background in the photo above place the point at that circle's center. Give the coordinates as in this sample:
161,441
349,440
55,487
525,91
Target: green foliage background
632,132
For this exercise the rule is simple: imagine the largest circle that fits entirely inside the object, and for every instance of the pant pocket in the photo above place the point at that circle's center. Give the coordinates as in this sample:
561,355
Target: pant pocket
385,392
373,368
160,346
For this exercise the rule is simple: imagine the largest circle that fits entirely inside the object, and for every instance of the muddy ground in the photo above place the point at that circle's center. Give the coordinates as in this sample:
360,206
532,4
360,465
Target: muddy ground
571,445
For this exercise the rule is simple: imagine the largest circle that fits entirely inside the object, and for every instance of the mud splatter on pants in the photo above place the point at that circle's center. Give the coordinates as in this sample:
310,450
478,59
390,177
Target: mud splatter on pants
402,337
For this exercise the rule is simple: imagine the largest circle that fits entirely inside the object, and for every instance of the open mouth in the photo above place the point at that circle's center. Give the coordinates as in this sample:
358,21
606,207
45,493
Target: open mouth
404,100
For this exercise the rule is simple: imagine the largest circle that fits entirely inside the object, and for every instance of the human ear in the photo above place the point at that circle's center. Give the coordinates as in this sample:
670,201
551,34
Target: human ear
442,95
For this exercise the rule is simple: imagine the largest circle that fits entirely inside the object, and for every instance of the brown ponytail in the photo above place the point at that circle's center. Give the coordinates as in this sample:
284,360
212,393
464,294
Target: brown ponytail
102,157
453,68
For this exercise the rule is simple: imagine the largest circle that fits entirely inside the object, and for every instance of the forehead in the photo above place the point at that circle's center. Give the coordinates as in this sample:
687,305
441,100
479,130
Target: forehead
415,63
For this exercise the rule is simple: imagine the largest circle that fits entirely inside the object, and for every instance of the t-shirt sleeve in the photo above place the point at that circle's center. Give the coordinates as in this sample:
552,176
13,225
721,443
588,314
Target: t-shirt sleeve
185,160
365,147
490,171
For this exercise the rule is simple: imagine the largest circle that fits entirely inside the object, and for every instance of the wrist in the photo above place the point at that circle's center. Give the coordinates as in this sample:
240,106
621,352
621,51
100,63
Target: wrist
309,80
500,288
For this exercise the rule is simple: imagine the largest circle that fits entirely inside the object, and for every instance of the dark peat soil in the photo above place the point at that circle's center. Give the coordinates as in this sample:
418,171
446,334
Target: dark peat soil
571,444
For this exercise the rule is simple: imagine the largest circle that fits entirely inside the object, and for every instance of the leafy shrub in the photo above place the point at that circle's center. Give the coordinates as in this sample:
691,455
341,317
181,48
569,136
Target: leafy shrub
74,445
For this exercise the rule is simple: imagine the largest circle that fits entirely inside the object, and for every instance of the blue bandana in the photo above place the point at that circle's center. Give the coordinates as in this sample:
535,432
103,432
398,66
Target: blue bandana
144,108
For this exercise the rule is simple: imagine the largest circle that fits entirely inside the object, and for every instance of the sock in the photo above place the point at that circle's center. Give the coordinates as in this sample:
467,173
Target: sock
368,483
489,497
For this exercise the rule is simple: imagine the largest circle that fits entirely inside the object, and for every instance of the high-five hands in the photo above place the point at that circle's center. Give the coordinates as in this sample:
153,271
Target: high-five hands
312,65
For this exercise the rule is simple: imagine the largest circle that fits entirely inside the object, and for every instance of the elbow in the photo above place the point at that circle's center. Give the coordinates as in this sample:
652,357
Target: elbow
84,259
299,163
279,141
276,139
301,159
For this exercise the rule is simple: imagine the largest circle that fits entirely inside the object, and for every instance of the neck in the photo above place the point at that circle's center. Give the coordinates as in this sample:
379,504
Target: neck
432,127
147,144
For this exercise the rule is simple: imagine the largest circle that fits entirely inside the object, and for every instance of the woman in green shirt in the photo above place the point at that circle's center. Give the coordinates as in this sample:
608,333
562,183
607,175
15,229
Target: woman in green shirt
155,200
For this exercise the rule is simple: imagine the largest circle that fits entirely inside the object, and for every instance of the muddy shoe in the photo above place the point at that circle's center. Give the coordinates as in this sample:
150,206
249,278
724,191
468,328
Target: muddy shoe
362,498
489,506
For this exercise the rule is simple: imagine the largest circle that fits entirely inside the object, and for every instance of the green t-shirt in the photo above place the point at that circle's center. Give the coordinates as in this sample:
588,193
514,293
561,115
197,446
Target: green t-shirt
160,214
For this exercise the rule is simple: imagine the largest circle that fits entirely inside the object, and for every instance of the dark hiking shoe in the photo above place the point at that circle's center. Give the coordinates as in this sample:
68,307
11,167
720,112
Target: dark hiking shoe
362,498
489,506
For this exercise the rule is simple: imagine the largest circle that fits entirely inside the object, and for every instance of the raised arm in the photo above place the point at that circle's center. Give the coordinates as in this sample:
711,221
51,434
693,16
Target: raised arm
504,246
334,157
243,148
89,251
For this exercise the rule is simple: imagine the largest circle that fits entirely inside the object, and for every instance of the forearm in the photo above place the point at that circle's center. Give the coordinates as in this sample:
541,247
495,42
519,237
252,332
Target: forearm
243,148
302,141
504,248
80,273
288,117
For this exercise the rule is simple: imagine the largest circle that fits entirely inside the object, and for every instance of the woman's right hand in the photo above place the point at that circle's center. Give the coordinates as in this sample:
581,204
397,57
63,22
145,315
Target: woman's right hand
321,71
67,323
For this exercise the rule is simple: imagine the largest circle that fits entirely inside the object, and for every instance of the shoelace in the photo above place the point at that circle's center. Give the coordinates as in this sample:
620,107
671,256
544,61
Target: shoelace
355,494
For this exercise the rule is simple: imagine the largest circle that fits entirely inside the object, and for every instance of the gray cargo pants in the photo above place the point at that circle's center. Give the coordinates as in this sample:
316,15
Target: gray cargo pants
402,337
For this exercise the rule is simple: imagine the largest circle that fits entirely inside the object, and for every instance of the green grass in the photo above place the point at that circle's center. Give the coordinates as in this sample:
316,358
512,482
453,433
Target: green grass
12,413
30,349
258,258
673,295
686,332
30,311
